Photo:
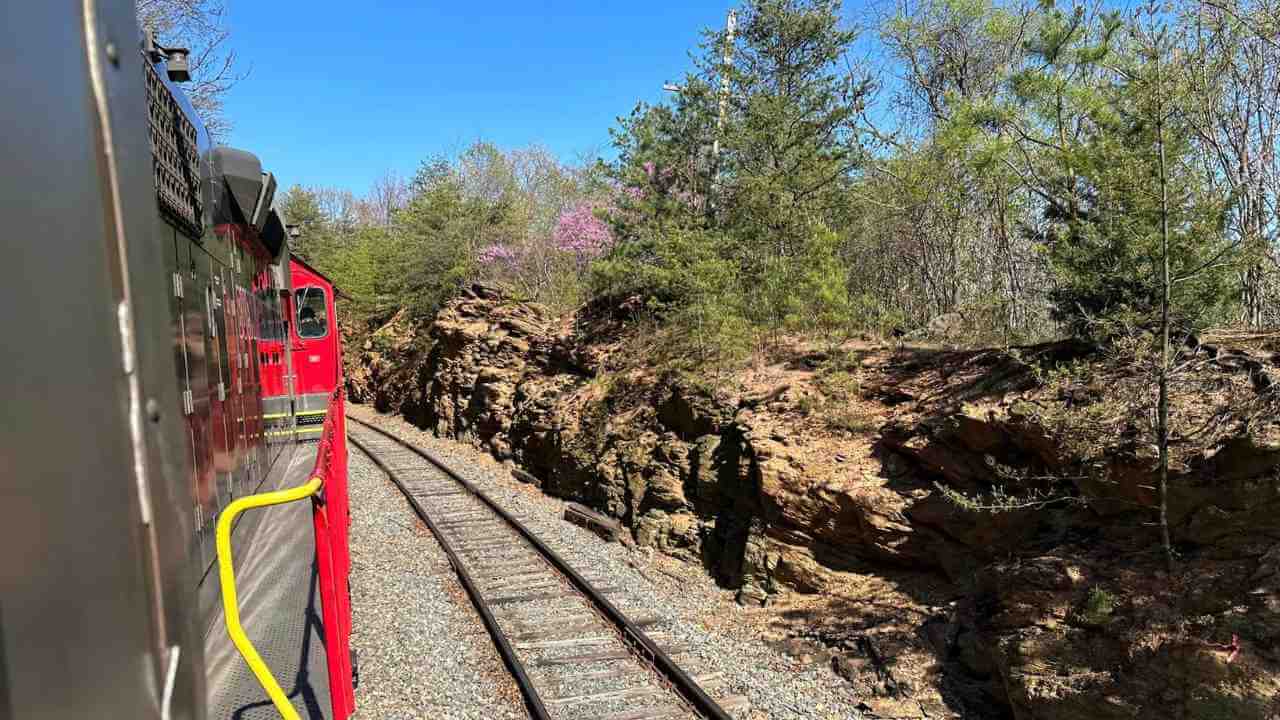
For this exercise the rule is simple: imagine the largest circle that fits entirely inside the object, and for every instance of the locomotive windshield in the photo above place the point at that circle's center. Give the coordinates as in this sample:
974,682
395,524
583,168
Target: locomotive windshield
313,319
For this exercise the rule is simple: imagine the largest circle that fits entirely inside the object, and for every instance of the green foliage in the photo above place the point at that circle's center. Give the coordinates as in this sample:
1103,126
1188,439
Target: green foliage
1099,605
1009,175
840,384
851,420
820,300
839,389
301,207
728,245
430,236
1099,106
424,242
688,284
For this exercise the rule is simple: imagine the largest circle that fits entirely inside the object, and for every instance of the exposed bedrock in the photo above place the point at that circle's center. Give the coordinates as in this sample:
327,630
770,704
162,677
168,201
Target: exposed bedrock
1055,606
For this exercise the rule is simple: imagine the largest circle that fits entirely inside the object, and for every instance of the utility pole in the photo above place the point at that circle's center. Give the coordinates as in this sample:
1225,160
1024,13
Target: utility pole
730,31
730,28
726,64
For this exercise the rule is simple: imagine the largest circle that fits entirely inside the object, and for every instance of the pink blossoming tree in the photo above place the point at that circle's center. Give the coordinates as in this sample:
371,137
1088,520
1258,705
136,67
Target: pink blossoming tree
579,231
496,254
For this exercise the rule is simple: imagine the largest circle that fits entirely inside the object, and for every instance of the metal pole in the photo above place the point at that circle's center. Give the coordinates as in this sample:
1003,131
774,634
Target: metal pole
731,27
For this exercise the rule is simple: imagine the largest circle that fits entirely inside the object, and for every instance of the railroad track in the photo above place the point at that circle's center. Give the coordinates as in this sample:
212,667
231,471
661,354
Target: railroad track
573,653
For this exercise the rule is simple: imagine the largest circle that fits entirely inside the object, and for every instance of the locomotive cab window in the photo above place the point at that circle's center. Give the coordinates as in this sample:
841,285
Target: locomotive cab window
313,318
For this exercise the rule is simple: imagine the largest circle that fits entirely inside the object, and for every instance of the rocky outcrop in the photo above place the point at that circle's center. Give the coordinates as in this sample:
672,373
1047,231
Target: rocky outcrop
1009,500
385,368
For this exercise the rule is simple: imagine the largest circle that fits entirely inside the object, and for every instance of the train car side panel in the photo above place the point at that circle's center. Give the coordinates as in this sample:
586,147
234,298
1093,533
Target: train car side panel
94,629
314,340
141,272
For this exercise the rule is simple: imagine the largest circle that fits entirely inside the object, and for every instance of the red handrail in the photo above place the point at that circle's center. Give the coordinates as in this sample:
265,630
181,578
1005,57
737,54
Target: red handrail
332,517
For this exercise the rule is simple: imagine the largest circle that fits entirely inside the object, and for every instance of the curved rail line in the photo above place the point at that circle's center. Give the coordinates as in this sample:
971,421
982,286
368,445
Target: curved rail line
484,542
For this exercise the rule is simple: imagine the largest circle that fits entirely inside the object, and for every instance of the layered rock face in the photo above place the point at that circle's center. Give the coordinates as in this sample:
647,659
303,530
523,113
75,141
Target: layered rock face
974,527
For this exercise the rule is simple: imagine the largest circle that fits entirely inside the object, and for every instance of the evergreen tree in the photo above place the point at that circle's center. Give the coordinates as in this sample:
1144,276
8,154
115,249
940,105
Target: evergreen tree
789,150
791,146
1085,113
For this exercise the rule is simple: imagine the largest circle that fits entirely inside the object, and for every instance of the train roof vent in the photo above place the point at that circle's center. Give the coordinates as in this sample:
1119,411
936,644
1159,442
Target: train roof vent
262,209
237,184
273,233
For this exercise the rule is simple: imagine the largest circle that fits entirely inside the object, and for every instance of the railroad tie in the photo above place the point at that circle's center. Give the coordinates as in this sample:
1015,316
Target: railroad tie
608,656
570,625
488,557
625,694
459,499
476,527
734,703
465,512
644,621
530,597
456,512
490,571
570,642
585,658
506,599
525,618
423,490
506,560
650,713
482,542
471,525
521,583
516,579
482,577
524,586
464,509
533,629
494,555
626,671
706,682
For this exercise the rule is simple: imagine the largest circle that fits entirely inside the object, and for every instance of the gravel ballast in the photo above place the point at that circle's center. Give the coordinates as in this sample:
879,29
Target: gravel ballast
423,651
717,636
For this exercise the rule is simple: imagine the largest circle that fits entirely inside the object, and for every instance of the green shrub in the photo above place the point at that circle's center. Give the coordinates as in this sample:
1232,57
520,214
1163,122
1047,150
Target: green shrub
1098,606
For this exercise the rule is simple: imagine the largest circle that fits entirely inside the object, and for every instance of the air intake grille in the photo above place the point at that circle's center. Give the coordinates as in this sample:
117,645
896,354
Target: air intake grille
316,419
174,156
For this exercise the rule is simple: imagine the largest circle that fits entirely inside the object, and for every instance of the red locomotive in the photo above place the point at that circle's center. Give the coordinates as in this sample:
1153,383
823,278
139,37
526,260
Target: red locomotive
302,358
315,346
150,283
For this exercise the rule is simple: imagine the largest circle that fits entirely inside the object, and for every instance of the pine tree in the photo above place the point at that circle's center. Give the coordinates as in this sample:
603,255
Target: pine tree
789,148
1089,126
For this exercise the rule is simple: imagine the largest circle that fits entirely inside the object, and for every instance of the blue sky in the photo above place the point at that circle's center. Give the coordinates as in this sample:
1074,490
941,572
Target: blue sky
340,92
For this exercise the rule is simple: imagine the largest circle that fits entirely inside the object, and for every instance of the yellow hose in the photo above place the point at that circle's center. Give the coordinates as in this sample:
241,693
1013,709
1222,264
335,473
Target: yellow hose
227,576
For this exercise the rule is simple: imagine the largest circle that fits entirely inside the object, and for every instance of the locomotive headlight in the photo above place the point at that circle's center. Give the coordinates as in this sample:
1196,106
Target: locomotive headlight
177,60
178,64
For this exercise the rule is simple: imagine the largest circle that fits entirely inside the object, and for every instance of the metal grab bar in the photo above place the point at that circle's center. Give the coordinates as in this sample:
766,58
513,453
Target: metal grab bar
227,578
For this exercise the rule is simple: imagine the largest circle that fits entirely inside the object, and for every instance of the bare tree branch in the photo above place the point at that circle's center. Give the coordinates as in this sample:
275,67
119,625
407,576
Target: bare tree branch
199,25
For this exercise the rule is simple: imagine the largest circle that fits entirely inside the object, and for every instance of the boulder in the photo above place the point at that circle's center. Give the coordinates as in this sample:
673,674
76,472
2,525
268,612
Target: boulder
946,326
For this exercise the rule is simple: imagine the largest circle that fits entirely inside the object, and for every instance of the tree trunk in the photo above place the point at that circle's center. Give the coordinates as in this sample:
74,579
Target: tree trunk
1162,422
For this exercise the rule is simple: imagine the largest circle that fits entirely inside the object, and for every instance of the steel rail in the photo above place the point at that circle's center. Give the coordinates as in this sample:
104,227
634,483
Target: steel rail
531,698
680,681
